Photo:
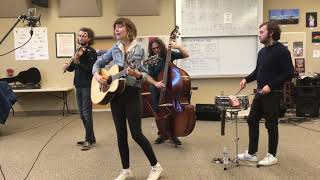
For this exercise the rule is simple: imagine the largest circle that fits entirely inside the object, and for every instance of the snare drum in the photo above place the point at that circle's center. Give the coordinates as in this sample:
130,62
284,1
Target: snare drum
244,101
222,101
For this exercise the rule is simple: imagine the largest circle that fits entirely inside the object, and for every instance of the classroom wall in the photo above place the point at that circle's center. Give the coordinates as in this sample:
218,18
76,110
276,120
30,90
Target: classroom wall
51,70
312,64
147,25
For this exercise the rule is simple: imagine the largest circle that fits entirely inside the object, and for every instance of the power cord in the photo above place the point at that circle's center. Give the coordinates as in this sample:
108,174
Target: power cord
314,130
4,177
45,146
33,127
2,173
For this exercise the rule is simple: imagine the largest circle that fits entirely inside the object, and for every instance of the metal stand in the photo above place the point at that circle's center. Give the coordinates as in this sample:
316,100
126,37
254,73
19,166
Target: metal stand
226,161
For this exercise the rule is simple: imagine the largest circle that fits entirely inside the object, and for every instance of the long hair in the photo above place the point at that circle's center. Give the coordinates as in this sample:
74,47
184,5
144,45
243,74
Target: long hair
131,28
163,49
273,27
90,34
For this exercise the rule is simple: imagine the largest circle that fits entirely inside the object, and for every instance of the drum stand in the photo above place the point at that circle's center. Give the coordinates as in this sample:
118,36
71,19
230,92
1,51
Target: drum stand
226,161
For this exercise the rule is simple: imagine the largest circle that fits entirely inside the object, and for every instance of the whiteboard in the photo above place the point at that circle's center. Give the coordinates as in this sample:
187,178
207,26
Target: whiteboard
220,35
218,17
219,56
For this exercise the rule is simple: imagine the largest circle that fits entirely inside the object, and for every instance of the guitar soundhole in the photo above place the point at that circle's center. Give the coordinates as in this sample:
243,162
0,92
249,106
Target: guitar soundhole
109,81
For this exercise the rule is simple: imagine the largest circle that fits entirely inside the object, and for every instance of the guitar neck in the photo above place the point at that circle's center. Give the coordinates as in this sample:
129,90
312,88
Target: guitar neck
166,67
119,74
10,80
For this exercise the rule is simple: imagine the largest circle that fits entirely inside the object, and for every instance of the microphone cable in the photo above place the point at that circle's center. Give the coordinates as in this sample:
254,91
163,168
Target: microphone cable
4,177
48,141
31,34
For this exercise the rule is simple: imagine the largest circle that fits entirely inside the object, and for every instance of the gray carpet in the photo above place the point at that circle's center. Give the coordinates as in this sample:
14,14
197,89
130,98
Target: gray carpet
23,137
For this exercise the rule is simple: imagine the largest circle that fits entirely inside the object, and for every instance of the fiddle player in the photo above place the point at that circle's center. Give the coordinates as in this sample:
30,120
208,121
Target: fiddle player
82,63
157,47
274,67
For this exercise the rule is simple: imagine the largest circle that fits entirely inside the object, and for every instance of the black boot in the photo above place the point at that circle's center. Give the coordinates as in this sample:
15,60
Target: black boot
159,140
175,141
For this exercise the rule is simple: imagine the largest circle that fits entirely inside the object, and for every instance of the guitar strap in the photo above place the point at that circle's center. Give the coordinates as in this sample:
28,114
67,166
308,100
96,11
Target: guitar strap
128,57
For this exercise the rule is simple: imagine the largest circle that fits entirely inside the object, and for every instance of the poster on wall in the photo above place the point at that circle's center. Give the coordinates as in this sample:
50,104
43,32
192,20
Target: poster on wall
284,16
297,49
316,53
34,48
299,65
65,44
315,37
311,19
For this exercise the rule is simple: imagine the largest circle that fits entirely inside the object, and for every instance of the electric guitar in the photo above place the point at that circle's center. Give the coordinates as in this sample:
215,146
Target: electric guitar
102,94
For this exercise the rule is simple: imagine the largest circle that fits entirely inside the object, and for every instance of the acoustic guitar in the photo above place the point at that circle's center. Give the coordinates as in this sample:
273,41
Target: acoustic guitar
102,94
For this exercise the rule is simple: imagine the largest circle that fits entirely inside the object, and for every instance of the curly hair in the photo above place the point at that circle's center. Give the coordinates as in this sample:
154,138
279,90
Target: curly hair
131,28
163,49
90,34
274,28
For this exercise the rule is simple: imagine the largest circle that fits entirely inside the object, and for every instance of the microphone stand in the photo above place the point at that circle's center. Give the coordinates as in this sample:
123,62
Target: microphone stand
14,25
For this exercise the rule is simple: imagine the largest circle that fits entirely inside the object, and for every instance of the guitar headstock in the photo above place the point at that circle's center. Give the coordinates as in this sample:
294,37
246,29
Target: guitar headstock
151,60
174,33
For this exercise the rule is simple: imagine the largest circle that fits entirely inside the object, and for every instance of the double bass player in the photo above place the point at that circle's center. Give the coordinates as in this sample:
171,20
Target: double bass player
157,47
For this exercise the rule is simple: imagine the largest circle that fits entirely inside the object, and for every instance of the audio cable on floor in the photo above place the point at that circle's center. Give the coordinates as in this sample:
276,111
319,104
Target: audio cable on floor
49,140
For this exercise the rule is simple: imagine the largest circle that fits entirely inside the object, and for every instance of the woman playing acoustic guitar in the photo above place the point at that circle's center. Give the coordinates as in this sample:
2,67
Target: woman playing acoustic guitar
126,105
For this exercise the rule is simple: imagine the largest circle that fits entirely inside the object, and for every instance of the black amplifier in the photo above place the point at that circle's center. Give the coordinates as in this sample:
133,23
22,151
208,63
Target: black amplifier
207,112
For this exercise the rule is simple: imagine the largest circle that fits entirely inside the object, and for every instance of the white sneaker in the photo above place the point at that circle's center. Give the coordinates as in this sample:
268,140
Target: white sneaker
247,157
268,160
155,172
124,174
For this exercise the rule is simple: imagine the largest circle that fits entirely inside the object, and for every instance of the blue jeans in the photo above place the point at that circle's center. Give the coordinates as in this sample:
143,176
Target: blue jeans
85,109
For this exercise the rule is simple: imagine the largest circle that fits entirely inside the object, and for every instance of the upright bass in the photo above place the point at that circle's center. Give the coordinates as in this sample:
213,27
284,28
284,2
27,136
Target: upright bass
175,116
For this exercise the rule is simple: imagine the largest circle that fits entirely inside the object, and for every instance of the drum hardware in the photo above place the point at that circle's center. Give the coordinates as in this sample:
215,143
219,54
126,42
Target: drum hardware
227,161
225,105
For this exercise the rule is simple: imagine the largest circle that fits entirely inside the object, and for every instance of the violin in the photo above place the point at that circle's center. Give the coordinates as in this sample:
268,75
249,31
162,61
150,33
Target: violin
76,57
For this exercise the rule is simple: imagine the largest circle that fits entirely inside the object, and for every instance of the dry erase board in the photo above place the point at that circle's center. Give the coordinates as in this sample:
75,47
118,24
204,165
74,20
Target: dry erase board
221,36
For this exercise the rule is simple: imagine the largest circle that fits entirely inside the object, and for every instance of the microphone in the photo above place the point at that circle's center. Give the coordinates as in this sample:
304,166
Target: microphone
31,18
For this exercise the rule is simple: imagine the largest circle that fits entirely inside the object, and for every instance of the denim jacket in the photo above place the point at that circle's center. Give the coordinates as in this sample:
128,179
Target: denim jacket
135,54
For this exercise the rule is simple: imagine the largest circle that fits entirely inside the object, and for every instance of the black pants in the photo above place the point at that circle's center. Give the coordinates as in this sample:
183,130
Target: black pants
266,106
127,105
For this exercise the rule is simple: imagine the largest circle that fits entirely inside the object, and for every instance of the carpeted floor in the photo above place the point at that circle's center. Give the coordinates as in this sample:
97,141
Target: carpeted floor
44,148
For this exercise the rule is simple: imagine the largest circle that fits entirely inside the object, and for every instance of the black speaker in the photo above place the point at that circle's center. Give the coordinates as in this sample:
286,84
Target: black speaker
307,107
306,91
207,112
42,3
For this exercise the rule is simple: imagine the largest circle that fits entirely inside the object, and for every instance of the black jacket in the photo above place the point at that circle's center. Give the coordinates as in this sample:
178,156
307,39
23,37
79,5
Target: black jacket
83,71
274,67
